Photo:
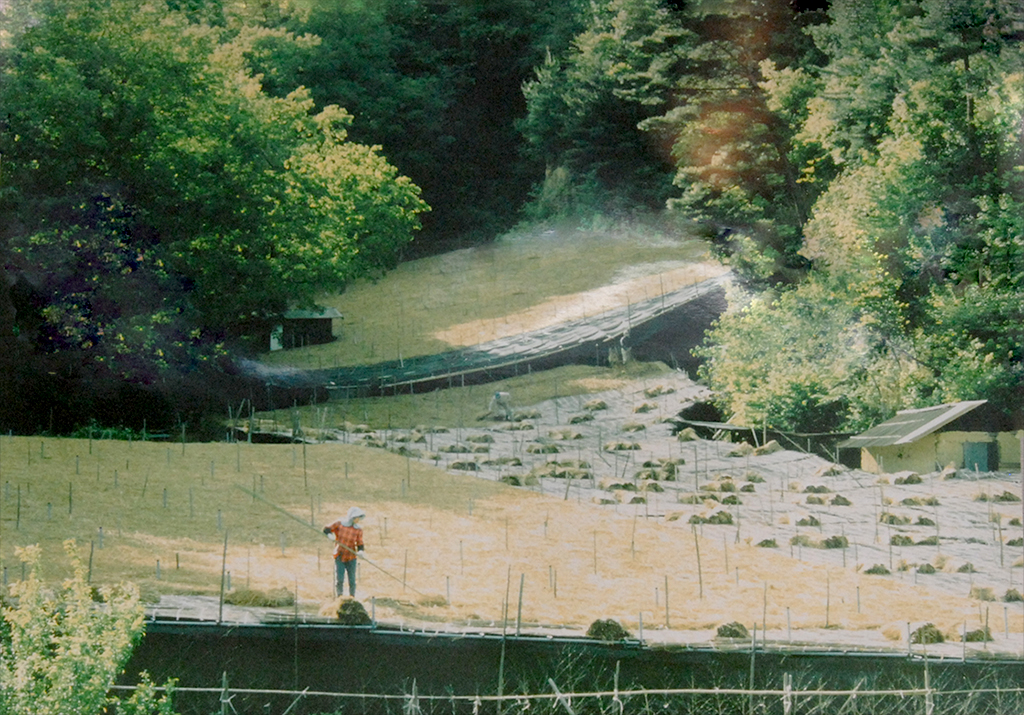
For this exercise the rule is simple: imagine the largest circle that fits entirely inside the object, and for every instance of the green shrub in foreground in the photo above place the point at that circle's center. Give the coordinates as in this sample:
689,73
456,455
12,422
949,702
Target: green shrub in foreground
60,652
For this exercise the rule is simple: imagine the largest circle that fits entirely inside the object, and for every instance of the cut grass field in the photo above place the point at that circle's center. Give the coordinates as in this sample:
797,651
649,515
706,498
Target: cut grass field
444,535
519,282
446,547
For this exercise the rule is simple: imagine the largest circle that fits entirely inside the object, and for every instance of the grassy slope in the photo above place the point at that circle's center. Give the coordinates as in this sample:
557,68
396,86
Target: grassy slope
521,281
436,529
160,502
518,280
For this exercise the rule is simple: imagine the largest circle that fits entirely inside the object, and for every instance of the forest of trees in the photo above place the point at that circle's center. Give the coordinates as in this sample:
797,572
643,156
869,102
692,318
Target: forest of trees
174,173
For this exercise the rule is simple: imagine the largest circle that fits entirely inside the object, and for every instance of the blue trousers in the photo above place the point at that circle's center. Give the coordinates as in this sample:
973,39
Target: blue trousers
341,568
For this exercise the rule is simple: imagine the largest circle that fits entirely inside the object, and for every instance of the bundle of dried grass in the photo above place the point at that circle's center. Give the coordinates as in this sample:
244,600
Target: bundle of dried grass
927,633
348,611
735,629
687,435
607,630
274,598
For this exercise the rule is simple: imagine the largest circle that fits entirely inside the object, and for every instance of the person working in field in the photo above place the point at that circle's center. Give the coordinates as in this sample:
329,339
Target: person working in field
348,541
501,404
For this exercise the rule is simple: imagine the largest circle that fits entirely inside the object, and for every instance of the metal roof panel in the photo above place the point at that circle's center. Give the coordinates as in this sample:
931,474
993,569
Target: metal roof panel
911,425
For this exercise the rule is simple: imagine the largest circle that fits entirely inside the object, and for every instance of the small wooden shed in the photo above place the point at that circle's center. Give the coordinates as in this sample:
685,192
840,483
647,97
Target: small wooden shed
304,327
928,439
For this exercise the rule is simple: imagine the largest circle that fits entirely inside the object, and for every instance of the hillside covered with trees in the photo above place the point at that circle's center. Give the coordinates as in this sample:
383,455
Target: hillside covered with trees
175,173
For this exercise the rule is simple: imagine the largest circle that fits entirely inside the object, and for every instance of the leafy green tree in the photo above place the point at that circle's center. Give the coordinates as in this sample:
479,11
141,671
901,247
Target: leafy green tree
975,347
736,108
229,187
156,202
806,360
846,120
60,653
917,233
585,108
924,215
147,699
437,85
385,62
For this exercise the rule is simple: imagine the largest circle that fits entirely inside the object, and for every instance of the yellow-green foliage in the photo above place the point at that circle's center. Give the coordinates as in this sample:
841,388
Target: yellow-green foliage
64,653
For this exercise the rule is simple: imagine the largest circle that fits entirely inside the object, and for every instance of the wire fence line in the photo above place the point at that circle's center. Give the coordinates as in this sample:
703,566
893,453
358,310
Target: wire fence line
788,693
589,335
901,692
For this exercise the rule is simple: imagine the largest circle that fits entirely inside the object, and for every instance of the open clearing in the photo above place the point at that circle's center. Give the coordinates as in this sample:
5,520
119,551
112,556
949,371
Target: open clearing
449,545
520,282
614,516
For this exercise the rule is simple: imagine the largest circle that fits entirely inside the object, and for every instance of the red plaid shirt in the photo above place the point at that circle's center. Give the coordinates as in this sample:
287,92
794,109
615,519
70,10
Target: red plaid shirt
347,540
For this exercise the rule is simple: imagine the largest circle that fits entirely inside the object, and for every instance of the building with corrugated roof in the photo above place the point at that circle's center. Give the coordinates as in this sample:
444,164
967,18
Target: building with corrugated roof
963,434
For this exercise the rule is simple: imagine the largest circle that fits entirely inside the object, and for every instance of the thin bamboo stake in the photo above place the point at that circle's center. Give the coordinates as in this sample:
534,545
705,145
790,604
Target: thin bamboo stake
764,611
753,650
223,572
828,596
519,612
666,602
700,575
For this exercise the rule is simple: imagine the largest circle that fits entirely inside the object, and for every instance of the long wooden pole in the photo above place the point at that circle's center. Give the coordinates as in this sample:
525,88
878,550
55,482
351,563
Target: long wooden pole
519,611
223,571
358,554
666,602
700,576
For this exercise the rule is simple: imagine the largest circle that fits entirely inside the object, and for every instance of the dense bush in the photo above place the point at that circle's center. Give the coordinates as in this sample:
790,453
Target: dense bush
60,653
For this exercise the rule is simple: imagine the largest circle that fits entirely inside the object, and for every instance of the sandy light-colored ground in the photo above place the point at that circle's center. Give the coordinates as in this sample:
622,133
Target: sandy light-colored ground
638,283
450,548
615,552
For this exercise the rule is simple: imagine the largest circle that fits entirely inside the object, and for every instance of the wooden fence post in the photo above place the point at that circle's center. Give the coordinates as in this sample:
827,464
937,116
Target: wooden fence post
666,602
223,572
519,612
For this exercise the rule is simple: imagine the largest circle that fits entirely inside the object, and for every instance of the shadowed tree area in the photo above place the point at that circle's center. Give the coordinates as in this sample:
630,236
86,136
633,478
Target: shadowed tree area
175,175
159,207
